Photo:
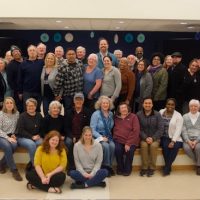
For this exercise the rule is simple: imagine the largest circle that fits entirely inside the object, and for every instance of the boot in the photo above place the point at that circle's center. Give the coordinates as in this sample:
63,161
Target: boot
16,175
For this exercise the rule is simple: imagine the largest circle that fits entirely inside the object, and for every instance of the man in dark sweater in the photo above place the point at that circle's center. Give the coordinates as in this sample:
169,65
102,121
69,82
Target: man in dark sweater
29,77
12,74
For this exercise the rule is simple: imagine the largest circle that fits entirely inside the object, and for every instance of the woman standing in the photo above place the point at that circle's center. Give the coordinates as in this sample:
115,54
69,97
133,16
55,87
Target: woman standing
168,62
92,81
30,128
144,85
111,85
126,137
160,81
151,129
50,163
48,75
8,142
102,124
88,156
171,140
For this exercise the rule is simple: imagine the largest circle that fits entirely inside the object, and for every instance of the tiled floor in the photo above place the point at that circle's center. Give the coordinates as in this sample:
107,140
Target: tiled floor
180,185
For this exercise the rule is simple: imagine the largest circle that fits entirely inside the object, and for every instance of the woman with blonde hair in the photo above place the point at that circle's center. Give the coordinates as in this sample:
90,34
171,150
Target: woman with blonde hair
88,156
50,162
8,142
102,123
48,75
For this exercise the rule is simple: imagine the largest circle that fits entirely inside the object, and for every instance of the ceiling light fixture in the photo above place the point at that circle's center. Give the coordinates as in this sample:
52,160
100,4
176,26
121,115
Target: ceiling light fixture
190,27
117,27
121,22
183,23
58,21
66,27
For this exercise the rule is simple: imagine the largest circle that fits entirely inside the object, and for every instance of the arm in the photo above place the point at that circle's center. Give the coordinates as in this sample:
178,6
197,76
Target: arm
59,79
3,134
141,119
160,127
95,88
118,83
131,85
148,86
98,160
184,130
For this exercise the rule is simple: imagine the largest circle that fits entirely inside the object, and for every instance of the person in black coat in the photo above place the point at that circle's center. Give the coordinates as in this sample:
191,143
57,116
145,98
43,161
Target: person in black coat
2,90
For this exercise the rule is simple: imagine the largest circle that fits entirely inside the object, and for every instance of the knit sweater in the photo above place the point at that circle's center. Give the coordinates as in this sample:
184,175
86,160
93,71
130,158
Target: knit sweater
190,131
8,123
88,161
127,130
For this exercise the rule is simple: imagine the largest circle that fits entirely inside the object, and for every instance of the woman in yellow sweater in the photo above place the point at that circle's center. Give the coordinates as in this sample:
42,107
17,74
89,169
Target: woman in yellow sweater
50,162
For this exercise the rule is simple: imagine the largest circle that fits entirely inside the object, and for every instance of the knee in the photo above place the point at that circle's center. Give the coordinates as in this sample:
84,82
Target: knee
105,145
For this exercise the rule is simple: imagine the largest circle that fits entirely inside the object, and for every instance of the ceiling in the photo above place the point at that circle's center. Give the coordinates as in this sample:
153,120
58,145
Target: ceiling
100,24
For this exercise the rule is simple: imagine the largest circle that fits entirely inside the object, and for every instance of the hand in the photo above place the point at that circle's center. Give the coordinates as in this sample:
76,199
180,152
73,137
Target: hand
89,96
105,139
171,145
62,137
48,177
74,140
58,98
127,148
149,140
36,137
87,175
12,140
127,102
13,136
20,97
44,180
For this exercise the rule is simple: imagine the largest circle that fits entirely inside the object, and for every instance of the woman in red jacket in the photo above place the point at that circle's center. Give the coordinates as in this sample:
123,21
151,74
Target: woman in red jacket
126,138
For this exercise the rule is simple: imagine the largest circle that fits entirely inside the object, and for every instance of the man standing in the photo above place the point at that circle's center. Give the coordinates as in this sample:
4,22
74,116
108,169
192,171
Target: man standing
69,79
29,77
103,51
13,73
41,51
81,54
59,53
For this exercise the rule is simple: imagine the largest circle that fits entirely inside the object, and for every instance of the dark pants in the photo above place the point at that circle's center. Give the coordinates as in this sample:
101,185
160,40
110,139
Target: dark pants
19,103
90,103
70,156
169,154
46,101
67,102
124,159
97,178
158,105
56,180
36,96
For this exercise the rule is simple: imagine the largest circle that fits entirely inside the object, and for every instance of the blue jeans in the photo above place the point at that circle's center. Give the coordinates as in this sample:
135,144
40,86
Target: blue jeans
8,149
108,153
45,102
97,178
124,159
30,145
169,154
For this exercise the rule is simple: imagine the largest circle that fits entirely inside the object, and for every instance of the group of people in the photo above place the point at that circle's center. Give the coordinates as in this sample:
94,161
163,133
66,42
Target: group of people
100,96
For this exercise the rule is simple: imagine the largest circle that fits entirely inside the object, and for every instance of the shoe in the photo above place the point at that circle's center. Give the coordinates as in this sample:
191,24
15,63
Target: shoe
16,175
143,172
77,186
2,169
126,173
111,171
55,190
166,171
102,184
119,172
150,172
29,186
198,170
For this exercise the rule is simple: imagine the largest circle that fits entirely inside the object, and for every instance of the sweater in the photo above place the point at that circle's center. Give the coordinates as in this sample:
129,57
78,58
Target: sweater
175,126
50,161
190,131
111,84
88,161
128,83
8,123
28,125
126,131
151,125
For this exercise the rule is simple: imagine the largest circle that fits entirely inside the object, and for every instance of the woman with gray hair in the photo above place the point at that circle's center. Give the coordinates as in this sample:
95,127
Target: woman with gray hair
102,124
29,129
92,81
191,133
54,120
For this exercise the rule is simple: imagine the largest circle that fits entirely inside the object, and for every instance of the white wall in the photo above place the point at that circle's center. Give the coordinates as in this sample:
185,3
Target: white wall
125,9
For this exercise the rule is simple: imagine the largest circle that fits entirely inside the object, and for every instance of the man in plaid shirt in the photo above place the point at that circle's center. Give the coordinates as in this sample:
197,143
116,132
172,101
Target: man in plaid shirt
69,79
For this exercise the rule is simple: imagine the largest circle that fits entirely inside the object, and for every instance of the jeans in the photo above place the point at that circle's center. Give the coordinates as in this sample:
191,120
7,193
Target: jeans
124,159
169,154
46,101
8,149
70,156
108,153
36,96
67,102
30,145
97,178
56,180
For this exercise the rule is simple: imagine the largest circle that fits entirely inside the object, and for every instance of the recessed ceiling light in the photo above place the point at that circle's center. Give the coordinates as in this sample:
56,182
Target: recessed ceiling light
58,21
67,27
183,23
117,27
121,22
190,27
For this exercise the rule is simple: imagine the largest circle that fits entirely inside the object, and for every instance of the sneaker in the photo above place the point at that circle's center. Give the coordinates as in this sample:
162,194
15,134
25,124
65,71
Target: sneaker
2,169
150,172
143,172
102,184
126,173
16,175
77,186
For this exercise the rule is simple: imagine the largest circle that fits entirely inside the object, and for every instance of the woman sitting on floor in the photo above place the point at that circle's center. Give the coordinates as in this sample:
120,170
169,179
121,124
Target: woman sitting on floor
50,162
